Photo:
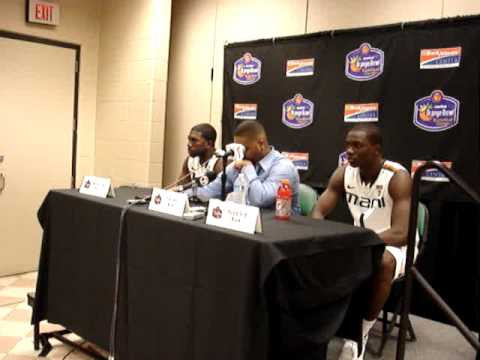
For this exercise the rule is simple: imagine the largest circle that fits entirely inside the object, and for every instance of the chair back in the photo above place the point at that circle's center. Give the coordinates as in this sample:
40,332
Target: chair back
308,198
423,218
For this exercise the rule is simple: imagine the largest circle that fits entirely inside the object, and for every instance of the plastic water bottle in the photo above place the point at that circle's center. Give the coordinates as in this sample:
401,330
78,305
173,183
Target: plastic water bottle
240,189
283,207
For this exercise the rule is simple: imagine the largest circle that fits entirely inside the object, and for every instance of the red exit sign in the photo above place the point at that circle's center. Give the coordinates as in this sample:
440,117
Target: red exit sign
43,12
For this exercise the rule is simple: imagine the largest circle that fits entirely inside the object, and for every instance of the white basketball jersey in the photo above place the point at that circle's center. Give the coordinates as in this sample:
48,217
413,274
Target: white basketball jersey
197,170
371,205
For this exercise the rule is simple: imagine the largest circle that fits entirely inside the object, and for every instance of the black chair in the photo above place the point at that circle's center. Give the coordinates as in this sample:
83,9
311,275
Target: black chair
395,300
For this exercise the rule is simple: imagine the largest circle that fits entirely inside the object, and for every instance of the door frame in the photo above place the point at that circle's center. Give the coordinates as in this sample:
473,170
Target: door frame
77,49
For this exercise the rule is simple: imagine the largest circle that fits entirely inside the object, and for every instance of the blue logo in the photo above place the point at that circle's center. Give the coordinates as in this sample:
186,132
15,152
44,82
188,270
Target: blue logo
364,63
342,159
297,113
436,112
247,70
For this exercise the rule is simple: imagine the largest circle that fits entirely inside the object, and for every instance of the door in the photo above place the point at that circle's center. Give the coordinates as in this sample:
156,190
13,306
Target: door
37,89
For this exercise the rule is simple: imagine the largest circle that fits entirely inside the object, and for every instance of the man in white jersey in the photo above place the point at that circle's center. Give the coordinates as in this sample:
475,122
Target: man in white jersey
201,153
378,194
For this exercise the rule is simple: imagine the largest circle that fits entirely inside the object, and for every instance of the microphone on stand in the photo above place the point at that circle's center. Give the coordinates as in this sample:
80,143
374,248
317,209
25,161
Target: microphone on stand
233,149
198,181
237,151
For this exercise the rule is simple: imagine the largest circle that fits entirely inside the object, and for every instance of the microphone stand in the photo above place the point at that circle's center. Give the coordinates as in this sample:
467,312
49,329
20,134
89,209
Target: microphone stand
224,176
194,197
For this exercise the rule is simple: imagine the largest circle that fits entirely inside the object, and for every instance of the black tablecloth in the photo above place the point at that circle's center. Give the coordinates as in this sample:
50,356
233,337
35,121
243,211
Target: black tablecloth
191,291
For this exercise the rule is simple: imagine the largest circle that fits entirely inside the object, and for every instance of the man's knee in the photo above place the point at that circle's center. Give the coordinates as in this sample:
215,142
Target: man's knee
388,264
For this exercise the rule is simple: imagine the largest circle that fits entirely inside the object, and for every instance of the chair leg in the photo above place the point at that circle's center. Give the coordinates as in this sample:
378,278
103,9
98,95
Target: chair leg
413,337
36,336
384,322
385,334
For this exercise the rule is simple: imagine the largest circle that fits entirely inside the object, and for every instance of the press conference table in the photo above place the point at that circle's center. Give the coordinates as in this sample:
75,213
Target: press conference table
189,290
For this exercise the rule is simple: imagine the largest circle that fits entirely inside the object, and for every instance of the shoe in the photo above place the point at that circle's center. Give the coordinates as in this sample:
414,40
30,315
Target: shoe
350,350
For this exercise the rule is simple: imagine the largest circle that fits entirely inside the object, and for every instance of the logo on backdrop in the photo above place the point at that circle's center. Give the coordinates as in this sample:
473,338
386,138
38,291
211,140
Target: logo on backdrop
440,58
431,174
342,159
297,112
437,112
356,113
245,111
364,63
300,67
300,160
247,70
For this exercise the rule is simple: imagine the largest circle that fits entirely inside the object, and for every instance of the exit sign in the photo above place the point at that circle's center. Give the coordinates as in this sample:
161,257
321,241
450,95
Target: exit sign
43,12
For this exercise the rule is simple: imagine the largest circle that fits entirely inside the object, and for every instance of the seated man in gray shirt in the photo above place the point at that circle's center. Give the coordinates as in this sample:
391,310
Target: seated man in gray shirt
263,166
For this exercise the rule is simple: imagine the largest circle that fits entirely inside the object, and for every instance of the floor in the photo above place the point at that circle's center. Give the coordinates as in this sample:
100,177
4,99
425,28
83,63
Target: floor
16,333
435,341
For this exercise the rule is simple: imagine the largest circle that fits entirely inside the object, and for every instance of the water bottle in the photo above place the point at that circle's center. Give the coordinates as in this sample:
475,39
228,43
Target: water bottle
240,189
283,207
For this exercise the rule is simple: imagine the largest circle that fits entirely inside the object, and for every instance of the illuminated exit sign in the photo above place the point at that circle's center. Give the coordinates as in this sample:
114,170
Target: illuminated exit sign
43,12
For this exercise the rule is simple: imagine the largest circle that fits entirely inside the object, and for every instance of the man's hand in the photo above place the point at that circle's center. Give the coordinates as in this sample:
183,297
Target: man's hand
239,164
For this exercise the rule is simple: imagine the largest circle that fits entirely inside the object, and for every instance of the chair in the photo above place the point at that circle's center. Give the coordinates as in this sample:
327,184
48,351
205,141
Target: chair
395,300
308,198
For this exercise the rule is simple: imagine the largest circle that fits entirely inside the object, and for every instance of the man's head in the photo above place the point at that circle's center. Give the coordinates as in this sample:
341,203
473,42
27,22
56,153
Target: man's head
363,145
251,134
201,139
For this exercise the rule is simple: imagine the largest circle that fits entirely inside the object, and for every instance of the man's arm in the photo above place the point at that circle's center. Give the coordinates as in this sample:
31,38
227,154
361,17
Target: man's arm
329,198
183,178
218,168
400,189
214,189
263,193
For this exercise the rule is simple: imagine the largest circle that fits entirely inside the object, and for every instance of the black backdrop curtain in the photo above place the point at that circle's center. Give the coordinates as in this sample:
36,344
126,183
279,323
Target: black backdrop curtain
260,92
395,91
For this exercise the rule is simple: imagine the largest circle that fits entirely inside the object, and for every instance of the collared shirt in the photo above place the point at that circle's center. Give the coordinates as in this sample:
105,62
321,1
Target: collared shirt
264,180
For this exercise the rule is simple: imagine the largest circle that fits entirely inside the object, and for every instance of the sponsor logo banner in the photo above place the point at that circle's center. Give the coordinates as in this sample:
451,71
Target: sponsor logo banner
300,160
431,174
300,67
437,112
440,58
355,113
245,111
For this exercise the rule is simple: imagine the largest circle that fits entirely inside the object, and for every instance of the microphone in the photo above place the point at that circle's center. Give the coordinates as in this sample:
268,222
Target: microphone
233,149
199,181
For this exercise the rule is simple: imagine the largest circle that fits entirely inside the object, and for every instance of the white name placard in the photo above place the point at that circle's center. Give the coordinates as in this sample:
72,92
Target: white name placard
168,202
238,217
96,186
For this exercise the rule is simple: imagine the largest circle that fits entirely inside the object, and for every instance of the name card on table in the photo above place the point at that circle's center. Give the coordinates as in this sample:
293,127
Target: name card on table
233,216
168,202
96,186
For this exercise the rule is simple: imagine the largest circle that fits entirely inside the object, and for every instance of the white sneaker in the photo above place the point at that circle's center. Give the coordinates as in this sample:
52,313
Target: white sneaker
350,350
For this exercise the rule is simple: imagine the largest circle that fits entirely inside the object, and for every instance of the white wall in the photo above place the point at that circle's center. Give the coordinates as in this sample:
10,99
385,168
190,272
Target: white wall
192,98
133,63
79,24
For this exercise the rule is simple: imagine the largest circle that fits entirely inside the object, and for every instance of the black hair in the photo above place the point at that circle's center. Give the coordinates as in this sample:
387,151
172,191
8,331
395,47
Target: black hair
208,132
374,135
249,128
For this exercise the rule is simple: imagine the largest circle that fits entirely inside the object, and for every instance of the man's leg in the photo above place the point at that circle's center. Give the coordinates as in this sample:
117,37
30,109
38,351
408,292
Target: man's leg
381,284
